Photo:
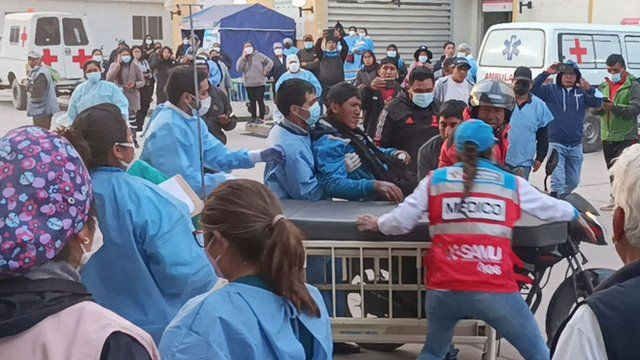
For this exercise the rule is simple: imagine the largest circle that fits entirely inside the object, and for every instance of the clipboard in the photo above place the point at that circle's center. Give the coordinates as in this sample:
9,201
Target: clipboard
180,189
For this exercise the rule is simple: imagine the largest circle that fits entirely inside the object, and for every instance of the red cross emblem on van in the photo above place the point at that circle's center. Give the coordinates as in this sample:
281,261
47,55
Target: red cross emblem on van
81,58
48,58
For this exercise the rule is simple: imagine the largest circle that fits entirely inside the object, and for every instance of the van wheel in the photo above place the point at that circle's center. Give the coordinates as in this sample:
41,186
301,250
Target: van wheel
591,135
19,97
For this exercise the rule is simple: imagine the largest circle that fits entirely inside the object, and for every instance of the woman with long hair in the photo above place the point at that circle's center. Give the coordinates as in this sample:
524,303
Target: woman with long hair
146,92
264,309
130,79
150,264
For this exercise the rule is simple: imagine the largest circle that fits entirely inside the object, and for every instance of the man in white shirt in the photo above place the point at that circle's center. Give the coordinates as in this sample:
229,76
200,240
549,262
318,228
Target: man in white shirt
607,325
455,86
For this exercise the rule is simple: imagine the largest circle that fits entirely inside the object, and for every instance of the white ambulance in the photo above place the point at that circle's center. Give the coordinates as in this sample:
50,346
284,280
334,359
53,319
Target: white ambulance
538,45
61,38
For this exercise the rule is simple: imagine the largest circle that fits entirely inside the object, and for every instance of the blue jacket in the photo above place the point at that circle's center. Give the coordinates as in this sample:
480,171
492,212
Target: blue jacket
290,51
296,178
356,47
242,321
171,146
89,94
304,75
215,73
150,264
568,107
329,150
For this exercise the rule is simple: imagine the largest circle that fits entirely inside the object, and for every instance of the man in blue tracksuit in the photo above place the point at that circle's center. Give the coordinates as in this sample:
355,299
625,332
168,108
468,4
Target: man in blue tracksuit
568,99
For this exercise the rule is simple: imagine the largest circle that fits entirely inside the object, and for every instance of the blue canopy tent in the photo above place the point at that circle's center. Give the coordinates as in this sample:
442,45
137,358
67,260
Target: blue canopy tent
238,24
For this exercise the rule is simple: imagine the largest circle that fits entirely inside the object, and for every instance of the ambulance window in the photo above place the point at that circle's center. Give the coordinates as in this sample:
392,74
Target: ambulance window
14,35
74,33
633,51
577,48
513,47
47,31
606,45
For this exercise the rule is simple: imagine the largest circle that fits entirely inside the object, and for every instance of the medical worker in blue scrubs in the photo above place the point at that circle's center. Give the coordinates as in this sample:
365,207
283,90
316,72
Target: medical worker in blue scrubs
265,310
95,91
150,264
295,72
171,138
357,46
296,178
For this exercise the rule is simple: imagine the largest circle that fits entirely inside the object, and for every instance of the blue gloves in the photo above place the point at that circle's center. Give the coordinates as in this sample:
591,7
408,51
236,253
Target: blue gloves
272,155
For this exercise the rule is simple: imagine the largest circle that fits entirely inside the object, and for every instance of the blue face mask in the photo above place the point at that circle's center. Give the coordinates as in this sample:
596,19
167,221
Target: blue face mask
314,110
308,45
422,100
94,77
392,53
126,59
616,78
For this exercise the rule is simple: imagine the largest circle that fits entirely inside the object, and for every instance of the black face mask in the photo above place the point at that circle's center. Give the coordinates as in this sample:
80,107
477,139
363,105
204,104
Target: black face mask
521,88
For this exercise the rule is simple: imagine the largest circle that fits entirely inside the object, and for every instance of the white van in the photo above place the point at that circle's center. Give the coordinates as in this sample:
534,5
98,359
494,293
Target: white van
61,38
538,45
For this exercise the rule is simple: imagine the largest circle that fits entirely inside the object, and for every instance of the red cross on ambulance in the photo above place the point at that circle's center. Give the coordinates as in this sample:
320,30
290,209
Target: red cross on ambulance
578,51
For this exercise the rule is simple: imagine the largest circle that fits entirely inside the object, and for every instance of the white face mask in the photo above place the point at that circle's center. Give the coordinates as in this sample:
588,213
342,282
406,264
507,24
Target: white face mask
294,67
214,262
352,33
423,58
98,241
461,54
362,35
149,41
205,104
248,50
278,51
216,49
97,58
185,42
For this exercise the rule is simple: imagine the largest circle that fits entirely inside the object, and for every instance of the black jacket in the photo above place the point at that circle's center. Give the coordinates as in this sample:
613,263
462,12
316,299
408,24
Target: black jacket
372,105
24,303
220,104
407,127
279,68
161,70
429,156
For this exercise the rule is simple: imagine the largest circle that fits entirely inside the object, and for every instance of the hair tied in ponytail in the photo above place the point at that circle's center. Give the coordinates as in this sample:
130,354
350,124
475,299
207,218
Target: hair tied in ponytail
276,219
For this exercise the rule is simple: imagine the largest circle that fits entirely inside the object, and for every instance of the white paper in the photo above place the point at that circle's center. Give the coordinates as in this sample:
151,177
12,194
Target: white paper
173,187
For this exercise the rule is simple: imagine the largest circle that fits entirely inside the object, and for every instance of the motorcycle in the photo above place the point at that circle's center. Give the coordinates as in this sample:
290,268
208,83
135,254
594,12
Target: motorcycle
539,251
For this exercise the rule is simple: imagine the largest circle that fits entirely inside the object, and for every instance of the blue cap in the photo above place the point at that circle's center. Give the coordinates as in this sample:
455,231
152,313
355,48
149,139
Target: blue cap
474,131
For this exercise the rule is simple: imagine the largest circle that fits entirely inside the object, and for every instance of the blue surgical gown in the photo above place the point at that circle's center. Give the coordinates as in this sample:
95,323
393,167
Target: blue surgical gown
150,264
296,178
171,146
329,151
304,75
89,94
241,321
290,51
357,46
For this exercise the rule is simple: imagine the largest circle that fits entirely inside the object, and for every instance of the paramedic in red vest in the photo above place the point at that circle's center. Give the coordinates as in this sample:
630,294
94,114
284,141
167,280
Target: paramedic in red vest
473,207
491,101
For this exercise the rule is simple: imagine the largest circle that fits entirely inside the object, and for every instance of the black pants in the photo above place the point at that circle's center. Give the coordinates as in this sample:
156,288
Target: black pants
256,94
146,95
613,149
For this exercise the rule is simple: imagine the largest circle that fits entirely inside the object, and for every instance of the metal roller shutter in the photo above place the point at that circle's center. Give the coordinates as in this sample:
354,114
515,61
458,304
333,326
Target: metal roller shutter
408,24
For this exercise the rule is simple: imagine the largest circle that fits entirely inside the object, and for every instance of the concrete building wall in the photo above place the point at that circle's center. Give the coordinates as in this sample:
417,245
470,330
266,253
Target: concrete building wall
603,11
108,20
467,23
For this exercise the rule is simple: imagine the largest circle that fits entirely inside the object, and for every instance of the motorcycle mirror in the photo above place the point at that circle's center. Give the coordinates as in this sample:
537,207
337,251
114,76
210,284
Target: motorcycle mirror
552,162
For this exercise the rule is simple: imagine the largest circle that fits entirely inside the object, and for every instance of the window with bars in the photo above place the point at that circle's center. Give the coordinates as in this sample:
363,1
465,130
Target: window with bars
143,25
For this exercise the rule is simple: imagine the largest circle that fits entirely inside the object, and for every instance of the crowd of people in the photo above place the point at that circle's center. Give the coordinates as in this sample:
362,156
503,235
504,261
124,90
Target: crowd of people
90,244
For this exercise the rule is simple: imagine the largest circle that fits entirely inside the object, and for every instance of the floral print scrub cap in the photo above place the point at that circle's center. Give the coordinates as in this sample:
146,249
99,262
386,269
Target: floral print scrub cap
45,197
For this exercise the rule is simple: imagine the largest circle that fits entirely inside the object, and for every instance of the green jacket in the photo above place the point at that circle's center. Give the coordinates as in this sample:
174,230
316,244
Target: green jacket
621,122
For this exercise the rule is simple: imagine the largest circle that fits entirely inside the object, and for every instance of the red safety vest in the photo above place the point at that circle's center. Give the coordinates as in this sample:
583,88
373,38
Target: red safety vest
471,240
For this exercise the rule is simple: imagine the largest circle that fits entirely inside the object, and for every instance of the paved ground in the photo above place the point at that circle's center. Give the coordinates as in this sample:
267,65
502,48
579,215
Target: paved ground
594,186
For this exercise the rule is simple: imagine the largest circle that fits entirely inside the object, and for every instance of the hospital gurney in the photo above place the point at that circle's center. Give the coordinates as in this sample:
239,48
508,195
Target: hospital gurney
379,279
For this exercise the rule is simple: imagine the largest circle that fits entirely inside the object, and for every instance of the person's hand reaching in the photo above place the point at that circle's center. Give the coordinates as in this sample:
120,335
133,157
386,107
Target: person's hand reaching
272,155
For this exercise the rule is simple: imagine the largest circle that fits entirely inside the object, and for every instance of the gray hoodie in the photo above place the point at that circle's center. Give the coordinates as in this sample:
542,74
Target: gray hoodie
254,69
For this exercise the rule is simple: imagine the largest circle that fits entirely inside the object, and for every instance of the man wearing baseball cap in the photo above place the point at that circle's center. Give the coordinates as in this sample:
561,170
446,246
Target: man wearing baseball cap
528,138
42,101
456,86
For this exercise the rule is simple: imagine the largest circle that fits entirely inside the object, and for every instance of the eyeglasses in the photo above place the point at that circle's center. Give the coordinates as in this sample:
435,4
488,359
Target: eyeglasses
198,236
128,145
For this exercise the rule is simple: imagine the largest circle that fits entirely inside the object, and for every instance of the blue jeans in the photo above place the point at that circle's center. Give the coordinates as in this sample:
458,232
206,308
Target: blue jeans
507,313
566,176
522,171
